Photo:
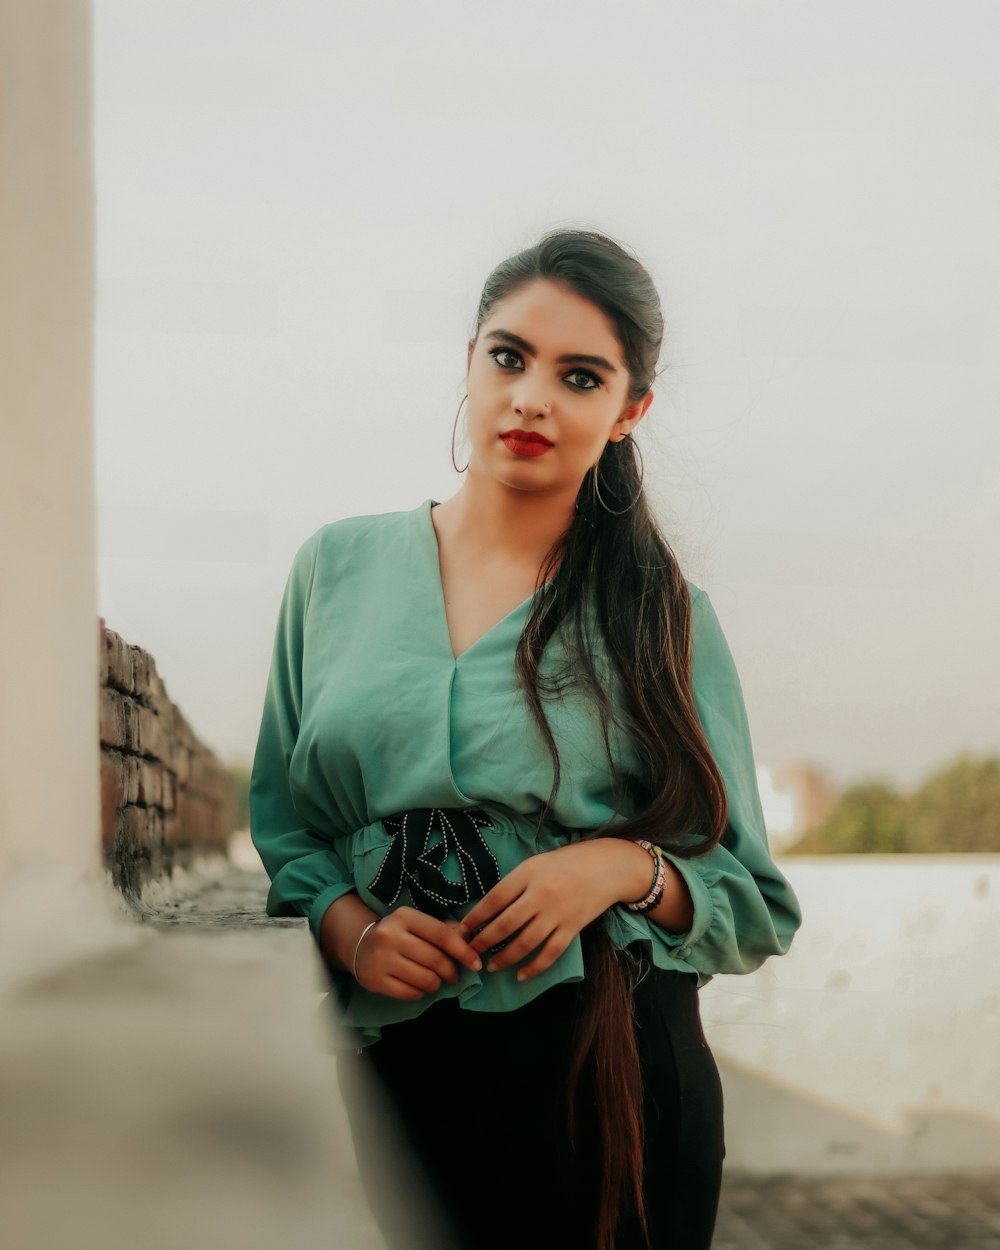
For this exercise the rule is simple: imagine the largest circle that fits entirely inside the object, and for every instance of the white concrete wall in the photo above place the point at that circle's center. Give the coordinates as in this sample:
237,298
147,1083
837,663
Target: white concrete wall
874,1044
54,898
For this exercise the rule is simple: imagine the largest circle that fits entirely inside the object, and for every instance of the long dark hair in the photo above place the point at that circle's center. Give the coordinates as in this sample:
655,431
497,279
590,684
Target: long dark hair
621,571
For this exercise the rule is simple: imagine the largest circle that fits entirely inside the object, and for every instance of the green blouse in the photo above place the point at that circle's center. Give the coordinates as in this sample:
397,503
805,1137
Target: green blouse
367,713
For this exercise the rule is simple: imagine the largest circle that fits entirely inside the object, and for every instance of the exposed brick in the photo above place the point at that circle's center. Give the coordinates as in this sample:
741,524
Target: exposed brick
171,828
140,673
131,835
132,765
156,694
147,738
113,728
180,762
203,824
169,791
182,811
107,650
163,791
150,782
119,662
140,828
128,869
113,789
197,825
201,774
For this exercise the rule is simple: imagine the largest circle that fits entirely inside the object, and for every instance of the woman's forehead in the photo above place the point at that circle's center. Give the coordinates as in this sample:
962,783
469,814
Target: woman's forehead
554,318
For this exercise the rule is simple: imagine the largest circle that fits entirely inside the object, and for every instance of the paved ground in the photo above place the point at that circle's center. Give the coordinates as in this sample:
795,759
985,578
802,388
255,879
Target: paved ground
796,1213
171,1094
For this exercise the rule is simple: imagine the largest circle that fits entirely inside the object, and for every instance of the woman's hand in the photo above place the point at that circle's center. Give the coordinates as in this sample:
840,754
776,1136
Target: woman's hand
552,896
408,954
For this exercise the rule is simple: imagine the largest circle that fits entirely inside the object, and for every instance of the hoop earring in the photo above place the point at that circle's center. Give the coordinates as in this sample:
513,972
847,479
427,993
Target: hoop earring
453,429
642,473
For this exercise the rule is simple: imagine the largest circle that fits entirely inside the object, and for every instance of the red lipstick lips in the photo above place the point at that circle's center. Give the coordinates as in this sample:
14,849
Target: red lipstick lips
525,442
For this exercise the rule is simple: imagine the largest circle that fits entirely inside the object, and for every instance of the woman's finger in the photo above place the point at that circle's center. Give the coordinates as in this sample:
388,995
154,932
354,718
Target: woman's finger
557,943
385,953
416,974
514,917
527,941
446,936
429,955
395,988
494,902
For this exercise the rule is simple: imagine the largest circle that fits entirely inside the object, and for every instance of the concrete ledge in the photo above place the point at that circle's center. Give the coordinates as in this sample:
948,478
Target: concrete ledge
169,1093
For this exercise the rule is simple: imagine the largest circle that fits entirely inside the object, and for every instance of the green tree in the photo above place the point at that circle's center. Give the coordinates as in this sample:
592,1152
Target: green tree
870,817
957,808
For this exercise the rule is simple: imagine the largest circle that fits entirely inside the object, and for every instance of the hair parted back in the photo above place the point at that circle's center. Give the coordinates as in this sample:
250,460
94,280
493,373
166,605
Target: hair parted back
618,573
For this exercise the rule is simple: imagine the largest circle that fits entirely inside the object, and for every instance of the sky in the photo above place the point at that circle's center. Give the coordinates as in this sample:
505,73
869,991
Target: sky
298,203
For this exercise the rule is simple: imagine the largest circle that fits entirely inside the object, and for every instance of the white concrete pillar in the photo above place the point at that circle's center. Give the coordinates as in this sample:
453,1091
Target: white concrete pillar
55,900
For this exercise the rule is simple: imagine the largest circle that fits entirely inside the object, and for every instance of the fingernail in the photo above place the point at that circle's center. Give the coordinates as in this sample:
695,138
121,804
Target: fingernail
477,963
522,976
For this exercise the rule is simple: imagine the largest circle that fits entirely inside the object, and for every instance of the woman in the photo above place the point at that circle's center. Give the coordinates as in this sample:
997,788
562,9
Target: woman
505,771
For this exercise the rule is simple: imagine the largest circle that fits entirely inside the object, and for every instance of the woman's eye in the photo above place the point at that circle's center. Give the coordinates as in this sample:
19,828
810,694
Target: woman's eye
592,383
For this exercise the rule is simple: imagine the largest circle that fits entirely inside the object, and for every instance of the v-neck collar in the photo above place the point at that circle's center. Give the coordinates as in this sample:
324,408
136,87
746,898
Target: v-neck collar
423,516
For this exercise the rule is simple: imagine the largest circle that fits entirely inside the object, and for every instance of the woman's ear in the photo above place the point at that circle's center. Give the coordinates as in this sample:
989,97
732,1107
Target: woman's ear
633,413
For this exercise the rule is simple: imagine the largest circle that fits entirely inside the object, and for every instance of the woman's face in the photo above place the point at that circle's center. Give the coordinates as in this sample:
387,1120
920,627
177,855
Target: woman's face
528,373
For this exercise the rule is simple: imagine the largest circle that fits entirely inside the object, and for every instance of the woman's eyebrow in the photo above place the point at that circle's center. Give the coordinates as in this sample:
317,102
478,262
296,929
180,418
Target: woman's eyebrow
571,358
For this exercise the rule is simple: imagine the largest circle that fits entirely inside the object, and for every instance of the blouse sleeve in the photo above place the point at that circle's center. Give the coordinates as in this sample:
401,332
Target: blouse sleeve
307,874
744,909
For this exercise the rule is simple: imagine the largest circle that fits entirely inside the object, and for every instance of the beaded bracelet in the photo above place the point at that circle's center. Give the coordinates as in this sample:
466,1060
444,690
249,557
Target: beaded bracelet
652,898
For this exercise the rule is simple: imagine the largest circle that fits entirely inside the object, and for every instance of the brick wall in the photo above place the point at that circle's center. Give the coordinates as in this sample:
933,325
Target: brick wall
165,797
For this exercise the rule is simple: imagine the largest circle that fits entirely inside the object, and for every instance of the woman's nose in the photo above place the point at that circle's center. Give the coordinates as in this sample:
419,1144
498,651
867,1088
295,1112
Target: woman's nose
531,401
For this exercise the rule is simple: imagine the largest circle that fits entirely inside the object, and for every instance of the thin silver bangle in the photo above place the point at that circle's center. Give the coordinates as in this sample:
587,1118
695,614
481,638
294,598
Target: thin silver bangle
371,925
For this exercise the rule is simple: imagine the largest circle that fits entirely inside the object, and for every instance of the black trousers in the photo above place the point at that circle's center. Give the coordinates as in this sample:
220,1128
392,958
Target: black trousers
476,1101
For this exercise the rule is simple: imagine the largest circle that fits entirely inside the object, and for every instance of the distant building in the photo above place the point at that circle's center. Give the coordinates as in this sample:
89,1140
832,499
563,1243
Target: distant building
809,794
795,797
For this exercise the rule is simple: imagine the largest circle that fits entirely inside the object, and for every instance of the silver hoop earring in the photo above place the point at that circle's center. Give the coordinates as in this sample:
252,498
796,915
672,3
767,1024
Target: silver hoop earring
453,430
642,473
